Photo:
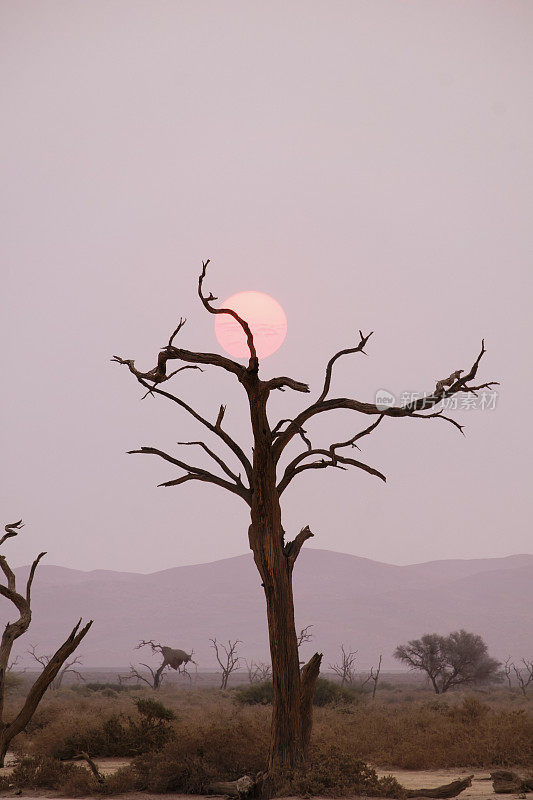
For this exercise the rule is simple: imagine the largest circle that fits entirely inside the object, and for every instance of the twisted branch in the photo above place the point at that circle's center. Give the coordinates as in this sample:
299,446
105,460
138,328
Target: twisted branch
253,362
216,428
195,473
333,359
408,410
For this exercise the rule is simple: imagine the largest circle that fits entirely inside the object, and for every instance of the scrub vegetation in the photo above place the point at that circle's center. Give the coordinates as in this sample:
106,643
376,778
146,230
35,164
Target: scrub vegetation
184,739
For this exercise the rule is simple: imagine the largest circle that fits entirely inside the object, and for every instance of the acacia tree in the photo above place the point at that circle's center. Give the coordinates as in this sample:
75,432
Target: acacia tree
459,659
260,481
172,658
12,631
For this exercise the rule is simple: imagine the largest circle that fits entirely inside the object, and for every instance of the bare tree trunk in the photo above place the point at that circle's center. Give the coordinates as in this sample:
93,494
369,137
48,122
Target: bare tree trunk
275,560
157,676
8,730
308,680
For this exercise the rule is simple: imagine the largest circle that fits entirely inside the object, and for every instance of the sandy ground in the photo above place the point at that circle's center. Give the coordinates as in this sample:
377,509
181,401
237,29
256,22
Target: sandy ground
480,790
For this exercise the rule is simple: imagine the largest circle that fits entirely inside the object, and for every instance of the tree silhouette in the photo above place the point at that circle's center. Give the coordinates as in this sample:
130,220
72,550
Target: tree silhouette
454,660
12,631
260,482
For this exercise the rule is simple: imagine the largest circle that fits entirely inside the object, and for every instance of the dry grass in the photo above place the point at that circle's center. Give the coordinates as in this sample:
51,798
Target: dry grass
213,737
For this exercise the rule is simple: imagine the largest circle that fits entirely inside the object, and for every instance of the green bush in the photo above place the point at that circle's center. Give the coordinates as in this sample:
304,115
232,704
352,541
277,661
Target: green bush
331,693
101,687
255,694
326,693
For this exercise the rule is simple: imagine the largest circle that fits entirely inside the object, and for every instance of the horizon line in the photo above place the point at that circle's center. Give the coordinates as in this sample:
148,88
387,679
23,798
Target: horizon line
250,555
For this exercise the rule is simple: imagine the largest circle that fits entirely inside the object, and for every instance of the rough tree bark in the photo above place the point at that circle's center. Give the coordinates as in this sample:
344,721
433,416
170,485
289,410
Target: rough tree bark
262,487
12,631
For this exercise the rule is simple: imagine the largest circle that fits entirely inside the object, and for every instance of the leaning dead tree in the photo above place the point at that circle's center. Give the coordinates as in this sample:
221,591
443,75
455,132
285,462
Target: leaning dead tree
524,675
227,658
304,636
67,669
373,678
12,631
172,658
260,479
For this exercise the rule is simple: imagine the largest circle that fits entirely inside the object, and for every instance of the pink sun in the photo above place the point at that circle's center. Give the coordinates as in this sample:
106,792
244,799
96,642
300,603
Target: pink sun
265,317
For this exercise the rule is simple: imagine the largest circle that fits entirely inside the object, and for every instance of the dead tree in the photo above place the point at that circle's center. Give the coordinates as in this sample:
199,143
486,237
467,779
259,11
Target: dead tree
12,631
135,674
43,660
508,670
373,678
258,673
345,670
172,658
228,660
305,635
260,480
524,675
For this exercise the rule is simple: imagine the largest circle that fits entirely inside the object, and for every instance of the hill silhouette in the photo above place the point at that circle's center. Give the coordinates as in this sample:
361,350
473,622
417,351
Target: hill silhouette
368,605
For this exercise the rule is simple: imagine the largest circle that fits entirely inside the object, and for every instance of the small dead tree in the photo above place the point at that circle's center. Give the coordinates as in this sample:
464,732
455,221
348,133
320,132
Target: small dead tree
524,675
228,659
135,674
345,670
305,635
12,631
14,663
508,671
258,673
373,678
43,660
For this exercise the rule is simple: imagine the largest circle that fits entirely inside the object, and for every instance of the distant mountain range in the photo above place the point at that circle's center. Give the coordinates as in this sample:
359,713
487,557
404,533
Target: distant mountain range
367,605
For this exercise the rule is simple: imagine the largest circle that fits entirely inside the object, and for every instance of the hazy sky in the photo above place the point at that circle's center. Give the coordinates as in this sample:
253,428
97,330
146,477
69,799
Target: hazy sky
367,163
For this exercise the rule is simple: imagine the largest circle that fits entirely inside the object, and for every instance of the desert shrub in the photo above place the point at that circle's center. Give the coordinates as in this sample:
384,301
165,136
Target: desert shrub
123,780
327,692
416,737
45,773
225,746
213,730
439,706
71,780
101,734
173,772
78,784
255,694
152,729
101,687
153,711
334,770
470,710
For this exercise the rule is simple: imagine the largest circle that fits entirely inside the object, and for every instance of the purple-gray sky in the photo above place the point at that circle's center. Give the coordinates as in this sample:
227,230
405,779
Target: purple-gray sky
367,163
